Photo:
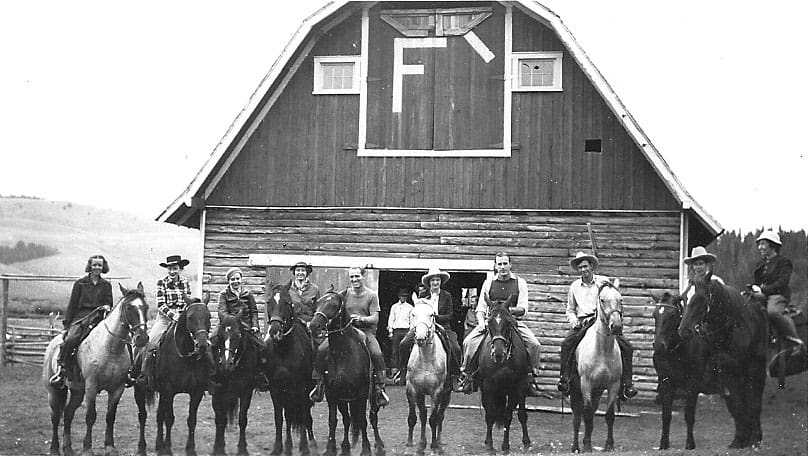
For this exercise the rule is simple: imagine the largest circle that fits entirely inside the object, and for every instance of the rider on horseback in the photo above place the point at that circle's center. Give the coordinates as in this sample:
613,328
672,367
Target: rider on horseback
581,306
441,302
90,299
236,300
770,277
362,304
303,291
500,287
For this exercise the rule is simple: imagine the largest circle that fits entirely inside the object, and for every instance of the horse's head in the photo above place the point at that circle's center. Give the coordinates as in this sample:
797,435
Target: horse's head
133,313
328,307
197,323
229,336
500,325
281,314
698,306
423,315
610,306
667,315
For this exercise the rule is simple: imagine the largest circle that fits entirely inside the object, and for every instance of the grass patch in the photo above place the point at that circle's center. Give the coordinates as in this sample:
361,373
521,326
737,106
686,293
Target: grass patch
25,307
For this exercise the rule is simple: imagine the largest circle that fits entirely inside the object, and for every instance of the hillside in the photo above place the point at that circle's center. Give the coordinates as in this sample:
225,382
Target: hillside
134,246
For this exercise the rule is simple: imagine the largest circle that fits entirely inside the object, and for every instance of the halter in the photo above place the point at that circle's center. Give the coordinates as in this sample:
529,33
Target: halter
287,324
430,327
329,320
604,317
506,341
679,309
131,329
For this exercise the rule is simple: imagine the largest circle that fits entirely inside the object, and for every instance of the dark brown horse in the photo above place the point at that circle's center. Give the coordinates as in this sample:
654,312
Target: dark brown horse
737,332
236,351
503,375
681,366
347,386
288,355
182,366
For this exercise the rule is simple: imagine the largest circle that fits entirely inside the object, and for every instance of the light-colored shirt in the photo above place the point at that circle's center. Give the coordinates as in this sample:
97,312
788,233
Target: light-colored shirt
582,299
364,303
482,302
400,316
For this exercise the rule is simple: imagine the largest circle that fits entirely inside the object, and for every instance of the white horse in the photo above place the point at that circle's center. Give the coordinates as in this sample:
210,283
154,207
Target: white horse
599,366
104,361
427,371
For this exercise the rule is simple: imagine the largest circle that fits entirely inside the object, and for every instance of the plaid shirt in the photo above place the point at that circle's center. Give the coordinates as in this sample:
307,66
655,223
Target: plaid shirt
169,294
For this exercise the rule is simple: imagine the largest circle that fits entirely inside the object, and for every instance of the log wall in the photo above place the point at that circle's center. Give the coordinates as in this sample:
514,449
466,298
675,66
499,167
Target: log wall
640,248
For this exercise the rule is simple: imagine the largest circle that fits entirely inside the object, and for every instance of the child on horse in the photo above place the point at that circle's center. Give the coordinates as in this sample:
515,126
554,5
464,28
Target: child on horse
581,307
89,301
362,305
500,287
441,302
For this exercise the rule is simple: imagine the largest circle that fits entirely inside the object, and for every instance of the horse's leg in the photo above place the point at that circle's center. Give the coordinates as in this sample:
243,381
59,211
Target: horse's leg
288,443
302,410
489,405
142,414
277,403
361,420
609,428
113,398
434,419
73,403
690,416
757,382
420,399
331,446
219,402
91,393
193,408
412,418
666,395
736,404
522,415
589,417
56,399
506,423
374,423
165,421
243,410
576,403
346,426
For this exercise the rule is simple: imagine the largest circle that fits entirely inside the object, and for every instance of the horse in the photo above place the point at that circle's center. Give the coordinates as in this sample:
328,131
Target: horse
289,358
237,358
680,365
736,331
503,375
427,372
182,366
599,367
103,358
348,384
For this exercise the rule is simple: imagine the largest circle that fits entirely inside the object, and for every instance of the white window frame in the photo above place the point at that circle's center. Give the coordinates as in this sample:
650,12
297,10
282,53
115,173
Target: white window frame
318,74
558,63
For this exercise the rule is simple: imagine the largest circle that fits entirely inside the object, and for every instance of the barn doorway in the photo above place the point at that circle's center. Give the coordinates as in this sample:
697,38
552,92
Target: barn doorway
390,281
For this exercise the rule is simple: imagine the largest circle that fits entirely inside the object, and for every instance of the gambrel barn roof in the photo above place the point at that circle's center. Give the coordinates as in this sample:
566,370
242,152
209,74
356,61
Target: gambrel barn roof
185,209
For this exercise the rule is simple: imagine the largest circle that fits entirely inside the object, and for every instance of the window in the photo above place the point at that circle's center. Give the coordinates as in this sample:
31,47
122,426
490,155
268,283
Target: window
338,74
536,71
593,145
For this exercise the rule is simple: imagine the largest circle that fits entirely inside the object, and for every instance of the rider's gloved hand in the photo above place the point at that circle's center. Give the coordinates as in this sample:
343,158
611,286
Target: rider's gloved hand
254,329
173,314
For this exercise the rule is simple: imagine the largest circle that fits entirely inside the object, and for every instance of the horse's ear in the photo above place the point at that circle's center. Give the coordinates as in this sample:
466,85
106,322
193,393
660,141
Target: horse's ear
123,289
656,297
330,289
140,288
616,283
205,296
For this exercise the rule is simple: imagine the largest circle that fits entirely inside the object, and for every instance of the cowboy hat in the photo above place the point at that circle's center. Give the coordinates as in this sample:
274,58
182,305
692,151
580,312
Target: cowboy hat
403,292
700,253
175,260
770,236
581,256
302,264
433,272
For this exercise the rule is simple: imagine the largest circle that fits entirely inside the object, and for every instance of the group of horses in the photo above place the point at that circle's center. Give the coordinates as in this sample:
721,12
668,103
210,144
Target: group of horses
718,339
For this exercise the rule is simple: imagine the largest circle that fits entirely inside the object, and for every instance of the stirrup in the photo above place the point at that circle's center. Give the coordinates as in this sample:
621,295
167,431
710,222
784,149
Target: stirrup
563,385
57,380
382,399
464,384
316,394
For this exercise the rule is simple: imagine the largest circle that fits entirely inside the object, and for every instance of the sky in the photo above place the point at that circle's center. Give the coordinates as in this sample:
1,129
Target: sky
119,104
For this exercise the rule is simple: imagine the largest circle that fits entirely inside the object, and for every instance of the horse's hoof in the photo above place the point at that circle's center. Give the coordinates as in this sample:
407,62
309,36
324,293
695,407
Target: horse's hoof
737,443
190,452
242,451
87,452
110,451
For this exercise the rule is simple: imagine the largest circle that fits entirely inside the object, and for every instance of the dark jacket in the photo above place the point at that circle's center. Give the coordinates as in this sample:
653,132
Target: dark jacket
230,304
773,277
86,297
445,309
304,301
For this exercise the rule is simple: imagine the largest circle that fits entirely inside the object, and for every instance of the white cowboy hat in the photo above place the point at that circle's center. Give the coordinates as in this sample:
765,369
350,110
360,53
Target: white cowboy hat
770,236
581,256
433,271
700,253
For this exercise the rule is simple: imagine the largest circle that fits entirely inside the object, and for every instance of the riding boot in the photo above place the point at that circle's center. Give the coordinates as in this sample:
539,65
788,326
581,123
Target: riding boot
533,385
317,394
146,377
464,383
382,400
564,381
57,380
626,352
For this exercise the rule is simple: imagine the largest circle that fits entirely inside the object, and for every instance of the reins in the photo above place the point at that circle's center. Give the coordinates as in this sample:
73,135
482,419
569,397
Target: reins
131,329
191,335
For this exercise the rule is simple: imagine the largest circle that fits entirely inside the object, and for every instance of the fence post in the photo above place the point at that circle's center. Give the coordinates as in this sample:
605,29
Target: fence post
3,323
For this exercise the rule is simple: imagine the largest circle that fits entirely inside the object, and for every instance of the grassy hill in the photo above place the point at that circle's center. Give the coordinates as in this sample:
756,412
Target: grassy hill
134,246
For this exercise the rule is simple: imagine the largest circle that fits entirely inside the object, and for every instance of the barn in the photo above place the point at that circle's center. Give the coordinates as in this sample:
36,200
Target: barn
400,135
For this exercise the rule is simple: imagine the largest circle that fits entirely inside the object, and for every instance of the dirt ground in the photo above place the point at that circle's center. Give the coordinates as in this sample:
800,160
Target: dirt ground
25,424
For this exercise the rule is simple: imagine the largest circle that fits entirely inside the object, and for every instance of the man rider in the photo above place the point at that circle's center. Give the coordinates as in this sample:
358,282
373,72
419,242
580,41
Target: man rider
582,302
500,287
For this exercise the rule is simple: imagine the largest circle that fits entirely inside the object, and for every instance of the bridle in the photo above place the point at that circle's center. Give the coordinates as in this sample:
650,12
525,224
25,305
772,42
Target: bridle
505,340
287,324
680,311
430,327
192,335
328,319
131,329
604,317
